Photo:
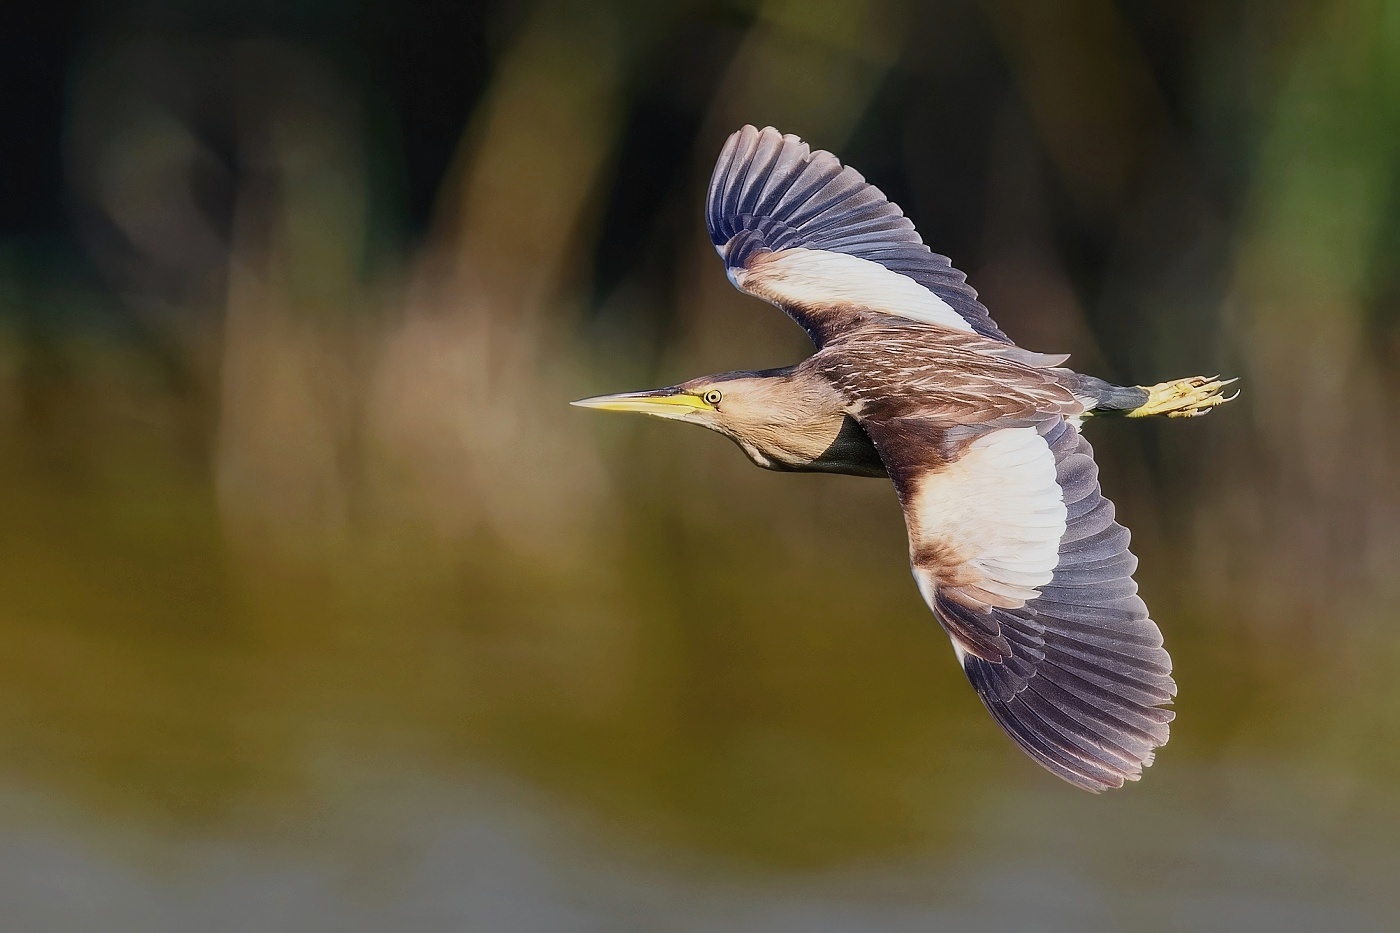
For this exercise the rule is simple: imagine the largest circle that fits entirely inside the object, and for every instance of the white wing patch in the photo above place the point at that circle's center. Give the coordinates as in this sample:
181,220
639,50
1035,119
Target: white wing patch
986,529
818,279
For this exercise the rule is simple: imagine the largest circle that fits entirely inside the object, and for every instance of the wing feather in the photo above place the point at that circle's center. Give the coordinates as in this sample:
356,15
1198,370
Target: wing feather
799,229
1060,648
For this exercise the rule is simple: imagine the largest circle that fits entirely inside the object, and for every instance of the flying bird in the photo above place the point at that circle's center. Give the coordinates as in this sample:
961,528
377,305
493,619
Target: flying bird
1013,546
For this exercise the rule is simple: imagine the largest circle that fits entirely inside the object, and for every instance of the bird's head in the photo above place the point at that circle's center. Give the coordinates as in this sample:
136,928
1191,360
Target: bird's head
719,402
771,415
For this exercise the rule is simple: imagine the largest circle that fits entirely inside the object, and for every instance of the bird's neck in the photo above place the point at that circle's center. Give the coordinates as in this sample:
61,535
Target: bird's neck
806,429
839,446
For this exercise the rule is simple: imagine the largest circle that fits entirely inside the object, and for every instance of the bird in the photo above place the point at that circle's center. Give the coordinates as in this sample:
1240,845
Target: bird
1012,544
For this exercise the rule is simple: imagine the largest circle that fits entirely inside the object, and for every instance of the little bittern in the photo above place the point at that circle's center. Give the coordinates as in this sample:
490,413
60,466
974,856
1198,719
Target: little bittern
1013,546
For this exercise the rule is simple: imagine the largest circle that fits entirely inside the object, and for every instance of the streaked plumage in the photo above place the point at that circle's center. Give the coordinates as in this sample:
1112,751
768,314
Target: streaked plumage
1012,545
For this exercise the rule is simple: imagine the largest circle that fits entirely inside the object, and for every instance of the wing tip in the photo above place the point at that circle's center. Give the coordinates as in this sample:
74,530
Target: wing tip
1095,752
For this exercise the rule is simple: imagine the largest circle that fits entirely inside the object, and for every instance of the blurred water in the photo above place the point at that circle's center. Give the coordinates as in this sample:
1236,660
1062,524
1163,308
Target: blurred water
676,729
480,855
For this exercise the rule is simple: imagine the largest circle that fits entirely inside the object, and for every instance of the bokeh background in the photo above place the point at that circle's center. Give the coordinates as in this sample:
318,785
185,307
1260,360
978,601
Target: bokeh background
321,610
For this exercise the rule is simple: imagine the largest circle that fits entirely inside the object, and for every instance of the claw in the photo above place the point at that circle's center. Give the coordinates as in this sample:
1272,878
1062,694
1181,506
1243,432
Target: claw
1185,398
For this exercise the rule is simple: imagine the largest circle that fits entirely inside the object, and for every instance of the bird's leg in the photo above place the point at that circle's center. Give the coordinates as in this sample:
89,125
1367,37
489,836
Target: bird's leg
1184,398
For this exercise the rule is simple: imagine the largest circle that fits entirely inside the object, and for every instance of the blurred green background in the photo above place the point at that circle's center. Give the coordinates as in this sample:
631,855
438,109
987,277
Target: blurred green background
321,610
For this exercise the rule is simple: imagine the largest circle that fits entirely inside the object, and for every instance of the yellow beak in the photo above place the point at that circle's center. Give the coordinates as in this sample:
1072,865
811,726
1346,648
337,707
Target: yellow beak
664,403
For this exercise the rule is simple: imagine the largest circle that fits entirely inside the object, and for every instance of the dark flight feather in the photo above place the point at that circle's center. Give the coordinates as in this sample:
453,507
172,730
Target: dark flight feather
771,192
1077,675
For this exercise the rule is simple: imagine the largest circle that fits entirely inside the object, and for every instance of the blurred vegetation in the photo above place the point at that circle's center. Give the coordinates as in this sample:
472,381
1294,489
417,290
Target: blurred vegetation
291,302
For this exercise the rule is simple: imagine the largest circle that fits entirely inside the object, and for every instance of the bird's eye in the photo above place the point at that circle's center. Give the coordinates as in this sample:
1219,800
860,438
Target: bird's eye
712,397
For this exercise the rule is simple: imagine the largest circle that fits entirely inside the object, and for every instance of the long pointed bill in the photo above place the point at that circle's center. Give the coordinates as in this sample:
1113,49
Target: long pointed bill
664,403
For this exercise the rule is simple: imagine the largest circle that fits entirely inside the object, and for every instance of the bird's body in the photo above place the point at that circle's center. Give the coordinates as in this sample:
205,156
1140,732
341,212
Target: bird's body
1012,545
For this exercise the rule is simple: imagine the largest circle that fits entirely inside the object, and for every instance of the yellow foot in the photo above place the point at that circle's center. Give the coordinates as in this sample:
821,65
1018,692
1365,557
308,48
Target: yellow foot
1184,398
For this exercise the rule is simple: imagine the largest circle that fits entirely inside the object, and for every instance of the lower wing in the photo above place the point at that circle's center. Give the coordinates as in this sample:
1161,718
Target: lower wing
1016,551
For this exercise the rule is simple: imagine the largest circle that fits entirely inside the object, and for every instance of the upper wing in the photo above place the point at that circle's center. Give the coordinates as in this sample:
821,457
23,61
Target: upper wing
1016,552
796,228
